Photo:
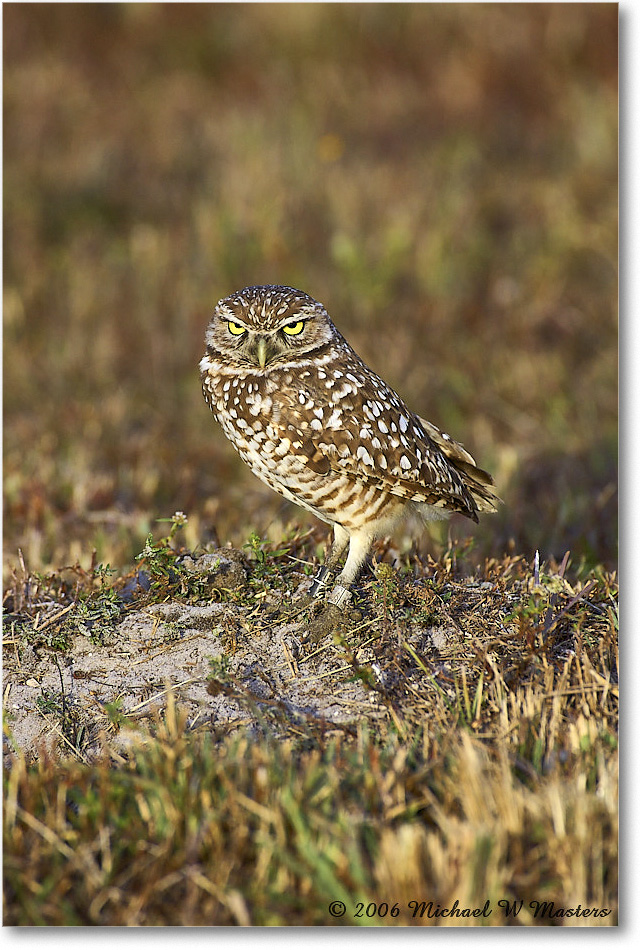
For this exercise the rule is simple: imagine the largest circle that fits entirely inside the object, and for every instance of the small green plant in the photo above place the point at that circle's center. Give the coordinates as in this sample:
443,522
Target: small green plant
386,592
49,702
219,666
258,548
159,558
114,712
265,555
96,616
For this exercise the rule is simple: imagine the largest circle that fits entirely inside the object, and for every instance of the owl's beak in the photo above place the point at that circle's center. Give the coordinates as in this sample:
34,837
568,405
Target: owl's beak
261,351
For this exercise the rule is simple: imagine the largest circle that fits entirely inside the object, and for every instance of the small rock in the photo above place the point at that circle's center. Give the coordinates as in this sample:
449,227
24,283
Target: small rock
224,569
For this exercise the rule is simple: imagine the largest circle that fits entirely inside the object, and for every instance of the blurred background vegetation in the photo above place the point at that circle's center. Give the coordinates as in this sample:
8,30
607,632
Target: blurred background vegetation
443,177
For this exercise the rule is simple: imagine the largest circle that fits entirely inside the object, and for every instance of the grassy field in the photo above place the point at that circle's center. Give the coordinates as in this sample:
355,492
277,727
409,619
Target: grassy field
452,744
444,178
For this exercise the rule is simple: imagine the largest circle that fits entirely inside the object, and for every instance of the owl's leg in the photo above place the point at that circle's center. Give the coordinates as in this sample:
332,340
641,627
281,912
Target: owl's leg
359,547
339,544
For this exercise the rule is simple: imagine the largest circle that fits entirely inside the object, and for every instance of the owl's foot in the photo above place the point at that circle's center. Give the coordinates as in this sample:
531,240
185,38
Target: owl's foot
327,611
340,596
319,581
308,594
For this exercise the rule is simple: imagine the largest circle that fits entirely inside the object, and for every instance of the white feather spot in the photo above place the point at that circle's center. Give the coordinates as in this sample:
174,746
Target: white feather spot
317,425
382,461
403,423
364,455
405,462
342,391
382,426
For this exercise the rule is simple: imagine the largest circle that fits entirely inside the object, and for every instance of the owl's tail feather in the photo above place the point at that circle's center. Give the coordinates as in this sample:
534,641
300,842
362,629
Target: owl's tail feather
478,482
486,498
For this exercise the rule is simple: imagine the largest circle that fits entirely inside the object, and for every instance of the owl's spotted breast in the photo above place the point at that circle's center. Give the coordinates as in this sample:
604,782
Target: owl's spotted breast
318,426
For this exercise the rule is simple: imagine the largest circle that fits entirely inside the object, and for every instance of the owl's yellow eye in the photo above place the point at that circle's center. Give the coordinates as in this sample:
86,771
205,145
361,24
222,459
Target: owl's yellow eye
235,328
293,329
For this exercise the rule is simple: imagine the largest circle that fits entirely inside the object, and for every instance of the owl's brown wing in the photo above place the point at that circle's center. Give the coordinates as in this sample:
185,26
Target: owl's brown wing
377,440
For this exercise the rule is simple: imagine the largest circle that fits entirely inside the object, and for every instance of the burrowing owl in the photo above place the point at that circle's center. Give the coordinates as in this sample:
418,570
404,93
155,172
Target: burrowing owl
319,427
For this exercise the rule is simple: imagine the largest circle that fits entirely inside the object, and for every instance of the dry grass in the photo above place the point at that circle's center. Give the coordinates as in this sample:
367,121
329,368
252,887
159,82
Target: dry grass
484,767
253,832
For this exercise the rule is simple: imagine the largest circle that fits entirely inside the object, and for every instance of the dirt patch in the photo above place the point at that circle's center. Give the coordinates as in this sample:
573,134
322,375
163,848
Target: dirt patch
175,646
237,643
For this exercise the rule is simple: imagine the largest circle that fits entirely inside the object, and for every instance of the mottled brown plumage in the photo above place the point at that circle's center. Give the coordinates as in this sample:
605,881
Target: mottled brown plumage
319,427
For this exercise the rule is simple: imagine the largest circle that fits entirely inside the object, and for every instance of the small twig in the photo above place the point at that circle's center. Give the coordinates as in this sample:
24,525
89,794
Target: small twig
551,622
163,692
53,619
292,663
320,676
62,689
61,735
564,564
575,690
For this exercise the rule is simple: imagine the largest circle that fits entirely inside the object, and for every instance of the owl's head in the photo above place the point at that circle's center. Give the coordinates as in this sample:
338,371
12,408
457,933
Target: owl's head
268,325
